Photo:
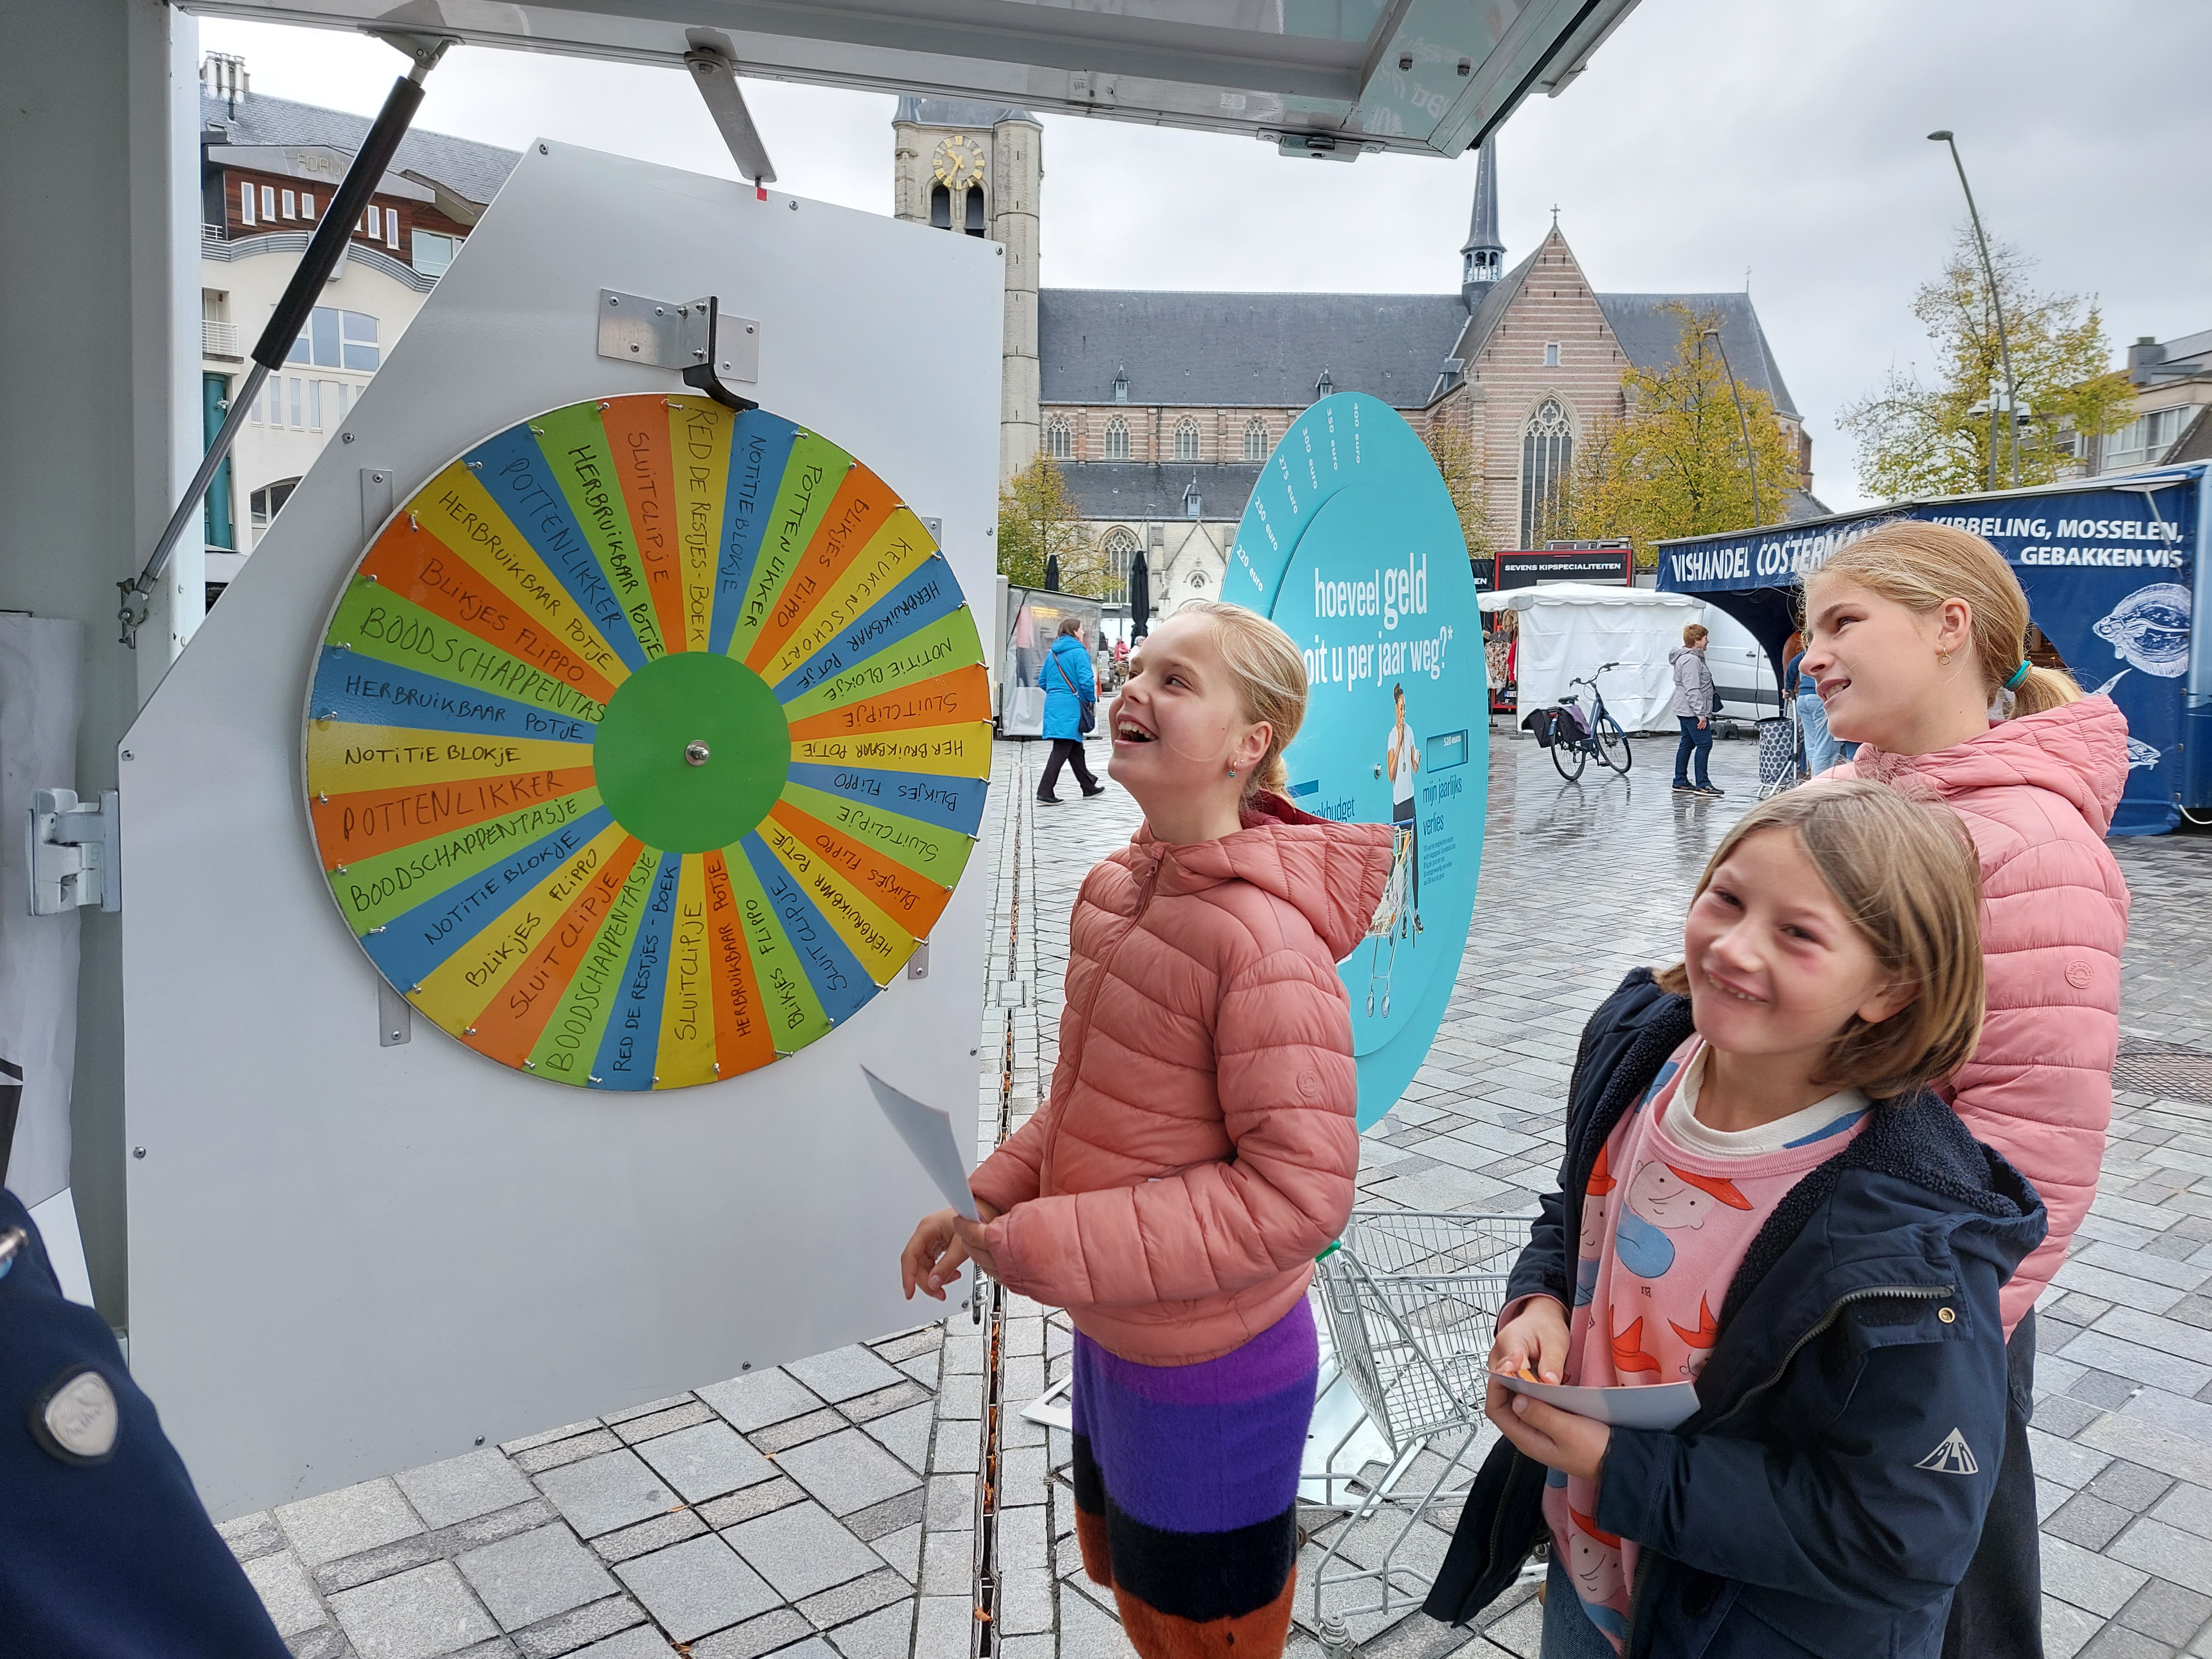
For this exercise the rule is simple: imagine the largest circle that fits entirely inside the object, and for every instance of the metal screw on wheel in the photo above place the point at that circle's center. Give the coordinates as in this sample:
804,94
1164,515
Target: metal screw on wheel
1570,755
1613,748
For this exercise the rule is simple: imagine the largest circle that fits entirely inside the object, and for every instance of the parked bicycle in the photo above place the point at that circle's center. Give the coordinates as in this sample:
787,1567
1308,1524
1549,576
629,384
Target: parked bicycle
1603,739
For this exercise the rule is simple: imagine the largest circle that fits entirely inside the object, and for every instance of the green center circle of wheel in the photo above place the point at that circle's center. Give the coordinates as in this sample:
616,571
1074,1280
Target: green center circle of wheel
692,752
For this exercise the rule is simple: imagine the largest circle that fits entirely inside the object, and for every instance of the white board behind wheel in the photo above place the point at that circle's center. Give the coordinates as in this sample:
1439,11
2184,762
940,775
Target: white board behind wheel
348,1255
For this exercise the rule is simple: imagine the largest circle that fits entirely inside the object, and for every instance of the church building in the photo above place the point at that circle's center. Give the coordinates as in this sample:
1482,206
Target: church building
1160,406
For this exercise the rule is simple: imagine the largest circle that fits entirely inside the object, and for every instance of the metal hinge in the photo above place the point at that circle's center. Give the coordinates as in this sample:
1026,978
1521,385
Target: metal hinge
691,337
74,852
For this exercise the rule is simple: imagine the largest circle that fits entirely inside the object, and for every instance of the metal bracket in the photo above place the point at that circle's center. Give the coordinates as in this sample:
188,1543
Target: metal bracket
395,1016
74,852
691,337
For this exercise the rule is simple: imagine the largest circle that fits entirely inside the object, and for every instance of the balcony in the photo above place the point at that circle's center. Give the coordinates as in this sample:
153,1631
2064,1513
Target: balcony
219,340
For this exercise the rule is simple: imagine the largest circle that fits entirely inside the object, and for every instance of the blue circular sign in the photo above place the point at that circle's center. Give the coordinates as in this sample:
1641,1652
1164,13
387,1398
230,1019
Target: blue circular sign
1350,543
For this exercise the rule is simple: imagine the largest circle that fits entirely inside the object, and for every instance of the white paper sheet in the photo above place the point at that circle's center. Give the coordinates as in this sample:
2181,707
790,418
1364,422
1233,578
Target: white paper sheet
1656,1406
928,1132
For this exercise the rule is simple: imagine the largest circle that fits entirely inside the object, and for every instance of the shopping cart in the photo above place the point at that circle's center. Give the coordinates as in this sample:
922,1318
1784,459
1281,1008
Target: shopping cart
1781,751
1394,917
1410,1299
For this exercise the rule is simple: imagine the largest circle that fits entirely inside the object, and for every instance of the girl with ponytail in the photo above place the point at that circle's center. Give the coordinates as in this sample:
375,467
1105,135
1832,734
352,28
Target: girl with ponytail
1198,1147
1916,641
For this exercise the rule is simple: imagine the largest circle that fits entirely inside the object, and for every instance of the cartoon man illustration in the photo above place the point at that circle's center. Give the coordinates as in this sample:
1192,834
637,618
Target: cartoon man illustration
1701,1341
1661,1196
1628,1355
1590,1247
1595,1565
1402,760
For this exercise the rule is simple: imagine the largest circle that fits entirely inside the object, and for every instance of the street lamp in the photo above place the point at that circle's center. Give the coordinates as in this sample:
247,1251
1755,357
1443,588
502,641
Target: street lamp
1735,392
1997,304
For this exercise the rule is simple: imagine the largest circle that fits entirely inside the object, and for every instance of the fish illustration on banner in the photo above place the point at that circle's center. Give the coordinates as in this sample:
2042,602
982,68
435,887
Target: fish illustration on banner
2150,628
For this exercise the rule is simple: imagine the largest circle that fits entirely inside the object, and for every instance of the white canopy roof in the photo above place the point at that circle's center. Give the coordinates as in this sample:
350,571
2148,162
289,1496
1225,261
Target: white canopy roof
1422,77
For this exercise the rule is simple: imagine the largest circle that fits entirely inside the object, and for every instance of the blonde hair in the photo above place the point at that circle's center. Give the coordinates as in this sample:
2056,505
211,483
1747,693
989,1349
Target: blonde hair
1905,871
1695,632
1270,677
1919,565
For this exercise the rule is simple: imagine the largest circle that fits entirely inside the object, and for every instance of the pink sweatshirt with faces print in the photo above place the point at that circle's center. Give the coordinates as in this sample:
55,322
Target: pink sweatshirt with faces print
1671,1208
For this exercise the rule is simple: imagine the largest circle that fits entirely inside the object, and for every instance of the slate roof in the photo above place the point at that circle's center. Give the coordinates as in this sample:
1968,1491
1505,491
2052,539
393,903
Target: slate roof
1140,490
1650,335
1266,350
2185,347
2195,443
470,170
921,112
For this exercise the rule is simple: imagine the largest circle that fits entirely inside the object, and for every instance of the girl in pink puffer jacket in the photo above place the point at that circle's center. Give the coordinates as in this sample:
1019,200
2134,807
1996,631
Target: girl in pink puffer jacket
1915,638
1197,1147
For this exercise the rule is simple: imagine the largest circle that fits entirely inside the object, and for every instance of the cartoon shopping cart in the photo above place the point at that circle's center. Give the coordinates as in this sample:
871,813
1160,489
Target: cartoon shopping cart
1393,918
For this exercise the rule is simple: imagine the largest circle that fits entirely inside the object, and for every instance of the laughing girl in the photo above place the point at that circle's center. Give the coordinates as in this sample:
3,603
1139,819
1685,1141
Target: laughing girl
1198,1147
1772,1205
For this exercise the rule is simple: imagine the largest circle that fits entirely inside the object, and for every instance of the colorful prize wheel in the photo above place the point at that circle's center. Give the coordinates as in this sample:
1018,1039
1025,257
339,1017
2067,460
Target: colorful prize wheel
646,742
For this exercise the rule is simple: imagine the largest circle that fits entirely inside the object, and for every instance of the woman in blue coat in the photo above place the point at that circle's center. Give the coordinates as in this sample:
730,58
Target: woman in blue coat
1071,690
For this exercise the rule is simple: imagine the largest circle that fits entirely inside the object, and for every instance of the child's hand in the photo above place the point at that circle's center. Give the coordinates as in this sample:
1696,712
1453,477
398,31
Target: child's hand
1533,1343
1560,1440
932,1257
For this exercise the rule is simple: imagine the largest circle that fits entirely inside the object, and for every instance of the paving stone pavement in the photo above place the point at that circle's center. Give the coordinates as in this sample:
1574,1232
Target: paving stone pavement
826,1509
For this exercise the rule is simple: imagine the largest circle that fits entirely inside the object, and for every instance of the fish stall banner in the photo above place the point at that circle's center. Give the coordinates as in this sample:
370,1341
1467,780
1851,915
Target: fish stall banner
2108,573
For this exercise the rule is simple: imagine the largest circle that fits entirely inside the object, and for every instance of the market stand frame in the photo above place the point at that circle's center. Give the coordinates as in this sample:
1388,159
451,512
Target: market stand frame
2114,572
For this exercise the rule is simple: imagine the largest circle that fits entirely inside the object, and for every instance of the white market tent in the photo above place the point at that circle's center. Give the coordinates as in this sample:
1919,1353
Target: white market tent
1569,629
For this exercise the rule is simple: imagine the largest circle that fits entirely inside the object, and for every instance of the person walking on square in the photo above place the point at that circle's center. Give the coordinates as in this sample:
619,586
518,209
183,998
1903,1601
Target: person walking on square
1071,694
1762,1195
1198,1147
1916,639
1693,710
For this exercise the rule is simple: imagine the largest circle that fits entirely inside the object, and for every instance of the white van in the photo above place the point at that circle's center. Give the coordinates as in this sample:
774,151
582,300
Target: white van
1742,671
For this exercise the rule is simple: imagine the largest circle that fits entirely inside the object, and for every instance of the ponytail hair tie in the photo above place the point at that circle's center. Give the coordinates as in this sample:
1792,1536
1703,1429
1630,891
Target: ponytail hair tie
2018,675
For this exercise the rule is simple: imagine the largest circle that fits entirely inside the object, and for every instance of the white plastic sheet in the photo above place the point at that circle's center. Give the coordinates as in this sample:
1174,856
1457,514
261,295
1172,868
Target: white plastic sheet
40,701
1569,629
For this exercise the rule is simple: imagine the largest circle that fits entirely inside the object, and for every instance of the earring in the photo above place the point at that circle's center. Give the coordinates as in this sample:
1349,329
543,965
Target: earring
1944,658
1232,771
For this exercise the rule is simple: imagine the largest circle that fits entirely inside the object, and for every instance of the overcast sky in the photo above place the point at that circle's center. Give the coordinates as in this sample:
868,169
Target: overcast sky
1707,136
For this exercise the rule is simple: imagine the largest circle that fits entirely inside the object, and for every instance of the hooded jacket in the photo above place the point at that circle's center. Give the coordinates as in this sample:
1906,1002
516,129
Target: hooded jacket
2037,794
1693,683
1069,682
1828,1493
1198,1147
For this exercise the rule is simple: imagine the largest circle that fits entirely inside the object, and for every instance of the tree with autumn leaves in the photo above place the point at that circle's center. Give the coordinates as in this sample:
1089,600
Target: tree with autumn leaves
1674,463
1037,522
1919,438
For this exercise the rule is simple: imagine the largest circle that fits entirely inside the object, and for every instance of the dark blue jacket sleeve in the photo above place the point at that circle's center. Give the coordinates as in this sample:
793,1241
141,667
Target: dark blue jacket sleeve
111,1558
1882,1509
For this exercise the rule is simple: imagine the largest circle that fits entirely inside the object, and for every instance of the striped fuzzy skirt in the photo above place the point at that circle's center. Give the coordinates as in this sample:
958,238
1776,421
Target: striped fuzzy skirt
1186,1490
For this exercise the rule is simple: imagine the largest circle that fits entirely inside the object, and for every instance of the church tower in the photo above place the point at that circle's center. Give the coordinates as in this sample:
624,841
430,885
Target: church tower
1482,261
973,168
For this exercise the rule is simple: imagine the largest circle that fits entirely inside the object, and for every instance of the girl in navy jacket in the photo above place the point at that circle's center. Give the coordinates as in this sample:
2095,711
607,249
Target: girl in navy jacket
1768,1201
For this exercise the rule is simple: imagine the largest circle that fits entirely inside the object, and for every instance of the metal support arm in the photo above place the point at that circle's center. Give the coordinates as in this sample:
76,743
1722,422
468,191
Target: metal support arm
322,257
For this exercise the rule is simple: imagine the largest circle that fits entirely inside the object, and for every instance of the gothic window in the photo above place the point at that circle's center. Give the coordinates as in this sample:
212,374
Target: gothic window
941,208
1059,441
1186,440
1120,548
1255,439
1117,439
975,218
1548,452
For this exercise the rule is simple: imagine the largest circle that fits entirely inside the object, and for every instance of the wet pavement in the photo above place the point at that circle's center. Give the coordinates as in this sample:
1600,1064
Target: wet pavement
829,1509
